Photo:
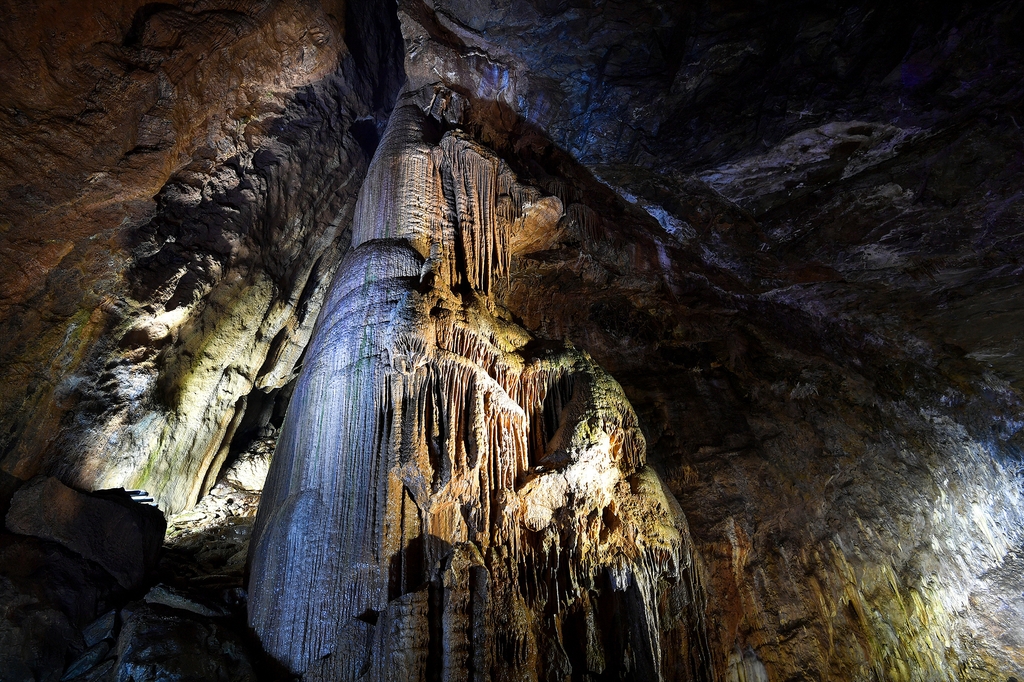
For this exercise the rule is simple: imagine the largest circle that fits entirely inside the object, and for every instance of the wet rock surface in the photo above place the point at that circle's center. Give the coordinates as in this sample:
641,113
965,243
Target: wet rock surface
450,496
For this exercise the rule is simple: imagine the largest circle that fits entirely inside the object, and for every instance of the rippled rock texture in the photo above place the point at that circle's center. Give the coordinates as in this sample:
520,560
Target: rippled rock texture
177,187
750,200
444,498
775,246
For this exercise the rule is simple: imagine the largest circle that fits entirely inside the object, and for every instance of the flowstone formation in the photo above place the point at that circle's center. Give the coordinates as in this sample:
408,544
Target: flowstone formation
451,498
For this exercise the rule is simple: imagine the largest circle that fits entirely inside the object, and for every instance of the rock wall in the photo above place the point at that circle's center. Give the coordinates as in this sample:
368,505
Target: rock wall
168,256
848,467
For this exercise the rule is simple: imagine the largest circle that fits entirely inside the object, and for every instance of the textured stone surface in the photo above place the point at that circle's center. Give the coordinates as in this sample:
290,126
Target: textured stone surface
170,254
807,375
444,499
161,644
87,661
100,629
208,544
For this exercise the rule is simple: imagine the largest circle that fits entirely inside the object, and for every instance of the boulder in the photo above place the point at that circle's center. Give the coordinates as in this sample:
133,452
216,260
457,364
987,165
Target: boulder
87,661
65,557
159,643
45,591
100,629
105,527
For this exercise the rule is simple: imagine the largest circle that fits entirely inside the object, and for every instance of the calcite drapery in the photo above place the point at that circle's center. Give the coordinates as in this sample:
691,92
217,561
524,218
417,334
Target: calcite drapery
449,496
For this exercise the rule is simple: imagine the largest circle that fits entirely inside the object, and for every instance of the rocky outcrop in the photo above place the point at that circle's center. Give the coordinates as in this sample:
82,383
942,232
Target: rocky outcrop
207,545
203,196
742,252
158,643
108,529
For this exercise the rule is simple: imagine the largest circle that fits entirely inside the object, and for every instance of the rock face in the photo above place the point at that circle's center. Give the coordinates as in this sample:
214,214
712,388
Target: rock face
448,495
164,644
167,259
121,536
742,251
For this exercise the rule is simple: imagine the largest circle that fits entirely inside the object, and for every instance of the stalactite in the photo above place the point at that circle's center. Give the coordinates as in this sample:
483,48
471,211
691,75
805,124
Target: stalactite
445,501
586,222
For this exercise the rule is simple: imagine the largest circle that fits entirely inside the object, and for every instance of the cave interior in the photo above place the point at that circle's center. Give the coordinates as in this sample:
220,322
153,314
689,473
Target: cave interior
512,340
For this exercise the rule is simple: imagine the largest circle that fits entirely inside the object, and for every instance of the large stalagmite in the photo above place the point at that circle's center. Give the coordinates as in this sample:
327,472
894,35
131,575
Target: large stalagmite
451,498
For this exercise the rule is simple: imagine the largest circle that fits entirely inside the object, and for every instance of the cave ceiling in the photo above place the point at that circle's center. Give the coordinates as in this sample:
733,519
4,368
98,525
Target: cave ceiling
762,257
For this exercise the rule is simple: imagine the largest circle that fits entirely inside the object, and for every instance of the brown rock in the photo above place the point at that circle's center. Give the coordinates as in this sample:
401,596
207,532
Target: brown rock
187,137
790,232
465,495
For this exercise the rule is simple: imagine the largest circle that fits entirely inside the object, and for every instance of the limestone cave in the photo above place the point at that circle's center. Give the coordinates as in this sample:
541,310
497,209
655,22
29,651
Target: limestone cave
511,340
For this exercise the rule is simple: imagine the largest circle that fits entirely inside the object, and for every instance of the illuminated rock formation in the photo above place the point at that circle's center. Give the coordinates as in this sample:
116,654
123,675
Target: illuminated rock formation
448,494
163,263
